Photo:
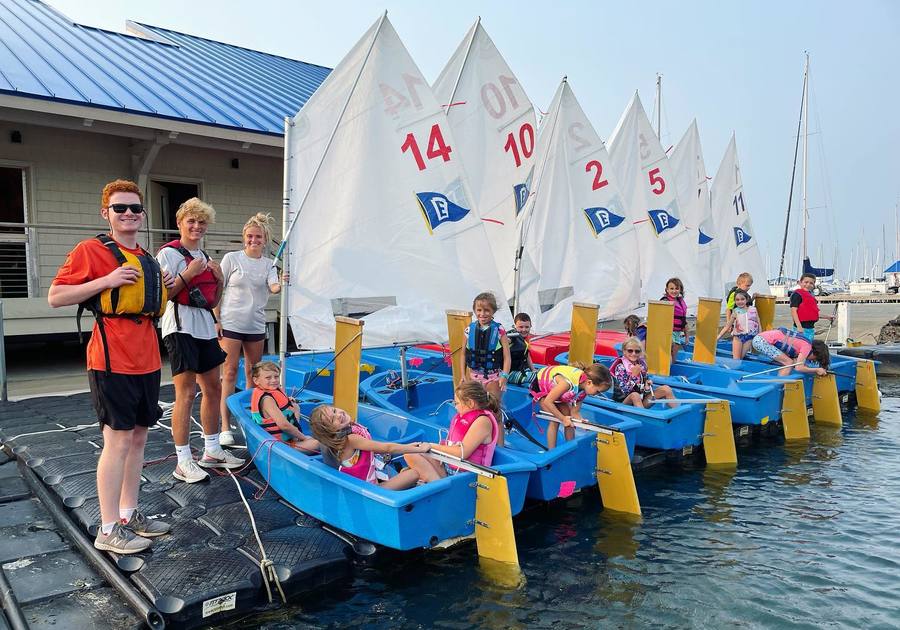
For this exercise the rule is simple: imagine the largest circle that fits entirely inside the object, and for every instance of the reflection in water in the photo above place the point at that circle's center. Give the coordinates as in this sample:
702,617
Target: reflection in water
500,576
715,482
616,535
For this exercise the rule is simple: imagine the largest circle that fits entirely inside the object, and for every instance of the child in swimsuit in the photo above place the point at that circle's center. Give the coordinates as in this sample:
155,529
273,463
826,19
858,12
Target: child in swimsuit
348,446
743,323
560,389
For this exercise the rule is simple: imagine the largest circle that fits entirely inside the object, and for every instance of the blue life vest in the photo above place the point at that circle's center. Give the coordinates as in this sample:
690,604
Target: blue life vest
482,348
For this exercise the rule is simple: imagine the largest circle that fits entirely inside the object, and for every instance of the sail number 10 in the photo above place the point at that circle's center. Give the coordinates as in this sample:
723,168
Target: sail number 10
436,147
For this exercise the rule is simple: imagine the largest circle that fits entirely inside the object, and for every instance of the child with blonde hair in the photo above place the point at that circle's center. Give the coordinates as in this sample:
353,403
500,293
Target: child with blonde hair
560,389
274,411
629,373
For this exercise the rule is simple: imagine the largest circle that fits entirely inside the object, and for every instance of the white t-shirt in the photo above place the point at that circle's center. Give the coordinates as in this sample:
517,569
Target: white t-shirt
247,281
196,322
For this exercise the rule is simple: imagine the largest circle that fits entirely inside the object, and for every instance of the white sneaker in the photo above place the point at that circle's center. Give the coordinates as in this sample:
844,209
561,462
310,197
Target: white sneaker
226,438
189,472
220,459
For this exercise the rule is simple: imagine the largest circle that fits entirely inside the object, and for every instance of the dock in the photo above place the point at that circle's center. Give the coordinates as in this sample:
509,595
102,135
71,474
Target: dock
209,568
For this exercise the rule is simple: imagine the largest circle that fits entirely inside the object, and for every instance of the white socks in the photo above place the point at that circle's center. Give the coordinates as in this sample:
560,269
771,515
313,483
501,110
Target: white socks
211,443
126,513
183,452
106,528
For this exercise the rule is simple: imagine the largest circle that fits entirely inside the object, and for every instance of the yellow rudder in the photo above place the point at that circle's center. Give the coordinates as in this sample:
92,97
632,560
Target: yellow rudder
765,309
718,436
614,475
348,349
867,397
494,534
708,315
826,404
793,412
658,348
457,322
583,335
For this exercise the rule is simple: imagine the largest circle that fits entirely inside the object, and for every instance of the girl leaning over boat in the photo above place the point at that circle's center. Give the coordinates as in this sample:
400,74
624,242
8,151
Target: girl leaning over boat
743,324
560,389
348,446
793,350
249,278
473,433
271,408
629,373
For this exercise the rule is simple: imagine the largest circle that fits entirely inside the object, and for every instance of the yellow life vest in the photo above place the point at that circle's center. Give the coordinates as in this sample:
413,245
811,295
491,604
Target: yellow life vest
146,297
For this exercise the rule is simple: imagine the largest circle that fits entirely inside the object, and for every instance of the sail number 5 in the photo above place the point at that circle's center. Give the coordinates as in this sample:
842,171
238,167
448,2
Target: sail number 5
657,183
526,141
436,147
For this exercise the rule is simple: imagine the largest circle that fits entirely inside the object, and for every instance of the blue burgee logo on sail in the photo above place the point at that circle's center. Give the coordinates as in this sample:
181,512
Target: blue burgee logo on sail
662,220
521,193
601,218
741,236
702,238
438,209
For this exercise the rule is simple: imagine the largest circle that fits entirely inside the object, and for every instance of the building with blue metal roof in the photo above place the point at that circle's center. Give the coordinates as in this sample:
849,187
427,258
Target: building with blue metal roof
80,106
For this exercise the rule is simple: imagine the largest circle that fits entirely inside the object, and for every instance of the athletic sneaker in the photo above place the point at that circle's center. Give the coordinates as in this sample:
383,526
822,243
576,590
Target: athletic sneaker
189,472
121,540
146,527
226,438
220,459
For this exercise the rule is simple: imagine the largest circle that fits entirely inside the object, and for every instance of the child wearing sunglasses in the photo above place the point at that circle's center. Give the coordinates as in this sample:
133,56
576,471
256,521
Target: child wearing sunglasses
631,384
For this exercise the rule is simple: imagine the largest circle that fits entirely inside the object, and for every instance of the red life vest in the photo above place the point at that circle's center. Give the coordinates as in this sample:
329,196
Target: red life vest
284,404
679,318
201,291
808,311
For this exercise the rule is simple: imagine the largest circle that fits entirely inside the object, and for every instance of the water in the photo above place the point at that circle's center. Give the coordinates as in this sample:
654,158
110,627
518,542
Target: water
798,536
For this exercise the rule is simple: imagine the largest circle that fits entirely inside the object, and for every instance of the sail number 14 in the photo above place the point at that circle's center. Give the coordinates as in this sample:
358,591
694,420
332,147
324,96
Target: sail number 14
436,147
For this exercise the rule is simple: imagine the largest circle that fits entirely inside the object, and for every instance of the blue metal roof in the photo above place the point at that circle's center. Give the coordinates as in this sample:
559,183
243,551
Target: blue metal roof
895,268
192,79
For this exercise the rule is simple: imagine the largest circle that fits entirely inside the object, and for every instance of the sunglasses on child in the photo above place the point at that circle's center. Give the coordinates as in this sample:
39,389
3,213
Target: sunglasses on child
120,208
633,350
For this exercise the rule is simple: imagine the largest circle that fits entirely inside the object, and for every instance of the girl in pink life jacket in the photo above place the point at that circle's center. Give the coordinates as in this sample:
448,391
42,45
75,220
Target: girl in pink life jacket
473,433
743,323
348,446
792,350
559,389
271,408
629,372
675,294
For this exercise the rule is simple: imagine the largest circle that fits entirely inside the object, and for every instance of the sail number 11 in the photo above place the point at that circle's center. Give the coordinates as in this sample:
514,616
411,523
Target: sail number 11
436,147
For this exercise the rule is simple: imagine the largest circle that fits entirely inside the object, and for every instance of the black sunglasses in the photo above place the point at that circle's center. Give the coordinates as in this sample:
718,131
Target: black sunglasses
120,208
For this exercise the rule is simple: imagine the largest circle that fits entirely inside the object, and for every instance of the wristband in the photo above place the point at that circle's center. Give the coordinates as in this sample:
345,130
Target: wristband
504,375
182,279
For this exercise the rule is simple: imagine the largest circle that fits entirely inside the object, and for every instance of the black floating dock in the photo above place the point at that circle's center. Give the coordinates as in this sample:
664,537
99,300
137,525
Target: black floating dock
205,570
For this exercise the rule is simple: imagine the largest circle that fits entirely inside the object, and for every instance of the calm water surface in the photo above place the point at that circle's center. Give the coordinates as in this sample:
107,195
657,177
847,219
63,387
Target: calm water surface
798,536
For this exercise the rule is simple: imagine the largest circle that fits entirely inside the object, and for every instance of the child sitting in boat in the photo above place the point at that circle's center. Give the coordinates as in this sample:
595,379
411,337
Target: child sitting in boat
792,350
743,323
473,433
634,327
348,446
629,374
521,370
271,408
560,389
675,294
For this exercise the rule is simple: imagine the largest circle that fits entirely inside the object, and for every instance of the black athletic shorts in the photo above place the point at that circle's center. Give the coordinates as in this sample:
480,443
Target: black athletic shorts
230,334
123,401
187,354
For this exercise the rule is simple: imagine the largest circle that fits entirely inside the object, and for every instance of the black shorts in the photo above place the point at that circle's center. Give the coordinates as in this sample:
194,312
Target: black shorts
123,401
230,334
187,354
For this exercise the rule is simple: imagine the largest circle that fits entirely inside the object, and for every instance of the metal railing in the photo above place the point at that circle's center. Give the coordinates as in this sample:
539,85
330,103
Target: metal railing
4,393
25,248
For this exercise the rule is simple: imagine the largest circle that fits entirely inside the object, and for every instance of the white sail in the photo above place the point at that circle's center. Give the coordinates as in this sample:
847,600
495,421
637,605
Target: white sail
494,126
579,246
739,242
692,188
385,227
648,187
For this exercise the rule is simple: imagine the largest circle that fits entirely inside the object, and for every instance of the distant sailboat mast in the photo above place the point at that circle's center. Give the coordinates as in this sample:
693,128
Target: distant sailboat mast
659,106
787,221
805,151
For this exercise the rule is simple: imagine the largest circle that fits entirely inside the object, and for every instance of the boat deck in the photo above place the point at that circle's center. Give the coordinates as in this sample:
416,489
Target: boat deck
207,569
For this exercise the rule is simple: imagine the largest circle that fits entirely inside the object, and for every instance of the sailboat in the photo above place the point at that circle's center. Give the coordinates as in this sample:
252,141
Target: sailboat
577,243
494,126
666,246
782,284
379,219
693,190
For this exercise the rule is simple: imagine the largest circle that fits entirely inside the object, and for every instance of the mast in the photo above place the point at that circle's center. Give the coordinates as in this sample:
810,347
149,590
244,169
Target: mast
787,220
462,67
285,223
805,150
659,107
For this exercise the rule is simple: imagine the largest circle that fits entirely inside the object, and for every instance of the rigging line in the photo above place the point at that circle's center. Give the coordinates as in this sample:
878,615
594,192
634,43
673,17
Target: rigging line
787,221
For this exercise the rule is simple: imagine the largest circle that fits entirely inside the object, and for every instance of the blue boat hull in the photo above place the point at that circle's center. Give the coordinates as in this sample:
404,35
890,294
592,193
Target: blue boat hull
400,519
571,461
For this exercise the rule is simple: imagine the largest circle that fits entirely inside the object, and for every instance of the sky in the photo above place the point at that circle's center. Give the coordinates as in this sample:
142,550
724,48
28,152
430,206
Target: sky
735,66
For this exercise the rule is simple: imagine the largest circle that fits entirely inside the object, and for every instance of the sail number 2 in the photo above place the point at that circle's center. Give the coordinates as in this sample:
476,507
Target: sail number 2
436,147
